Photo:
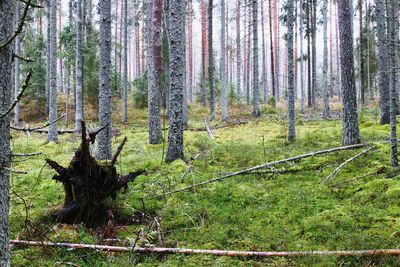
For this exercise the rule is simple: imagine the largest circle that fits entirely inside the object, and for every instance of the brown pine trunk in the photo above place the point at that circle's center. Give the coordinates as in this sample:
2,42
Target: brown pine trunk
272,51
203,53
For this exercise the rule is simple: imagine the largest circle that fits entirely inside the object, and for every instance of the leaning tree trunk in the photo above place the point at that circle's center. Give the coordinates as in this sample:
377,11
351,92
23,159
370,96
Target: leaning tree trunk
79,67
224,105
176,31
104,150
256,97
53,132
289,38
325,62
87,184
351,134
211,67
6,29
381,32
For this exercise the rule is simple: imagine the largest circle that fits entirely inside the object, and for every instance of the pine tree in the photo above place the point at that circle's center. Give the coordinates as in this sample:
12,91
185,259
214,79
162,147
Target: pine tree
211,67
289,40
224,104
325,91
124,76
79,67
256,98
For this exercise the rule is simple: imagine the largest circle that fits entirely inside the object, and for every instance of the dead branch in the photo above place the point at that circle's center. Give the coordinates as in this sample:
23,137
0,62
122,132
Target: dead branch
201,129
40,129
27,154
265,165
119,149
93,134
23,58
20,25
228,253
340,167
18,98
355,178
31,4
14,171
209,131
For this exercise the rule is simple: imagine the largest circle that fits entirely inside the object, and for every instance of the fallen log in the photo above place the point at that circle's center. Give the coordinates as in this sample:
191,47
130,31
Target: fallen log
265,165
87,183
228,253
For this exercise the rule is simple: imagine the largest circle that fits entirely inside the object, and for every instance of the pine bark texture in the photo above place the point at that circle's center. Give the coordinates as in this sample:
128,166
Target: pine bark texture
79,67
176,31
224,100
291,113
393,30
264,59
302,93
53,132
351,133
325,92
272,50
104,149
6,29
203,54
381,31
256,97
125,65
155,68
238,51
211,67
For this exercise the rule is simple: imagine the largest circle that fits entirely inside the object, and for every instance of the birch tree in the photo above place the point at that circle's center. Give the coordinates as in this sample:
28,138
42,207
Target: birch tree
6,30
351,133
176,31
104,149
53,132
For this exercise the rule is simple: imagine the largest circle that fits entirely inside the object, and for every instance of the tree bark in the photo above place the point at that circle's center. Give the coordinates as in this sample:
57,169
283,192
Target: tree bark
6,30
211,67
104,149
291,113
125,65
351,133
79,67
314,53
176,31
272,51
264,58
53,133
238,51
256,97
16,65
203,54
224,104
302,93
381,32
326,112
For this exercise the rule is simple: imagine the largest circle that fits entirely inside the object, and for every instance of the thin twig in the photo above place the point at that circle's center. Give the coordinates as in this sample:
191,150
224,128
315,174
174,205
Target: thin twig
340,167
18,98
265,165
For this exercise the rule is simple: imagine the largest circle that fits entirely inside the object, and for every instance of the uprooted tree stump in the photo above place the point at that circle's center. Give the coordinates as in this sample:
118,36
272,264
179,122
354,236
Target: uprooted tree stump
88,183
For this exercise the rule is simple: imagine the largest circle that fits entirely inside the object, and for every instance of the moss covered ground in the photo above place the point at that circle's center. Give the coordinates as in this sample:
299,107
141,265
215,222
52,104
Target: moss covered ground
283,209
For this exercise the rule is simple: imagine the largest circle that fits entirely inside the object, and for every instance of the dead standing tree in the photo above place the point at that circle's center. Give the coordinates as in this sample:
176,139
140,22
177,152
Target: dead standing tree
87,183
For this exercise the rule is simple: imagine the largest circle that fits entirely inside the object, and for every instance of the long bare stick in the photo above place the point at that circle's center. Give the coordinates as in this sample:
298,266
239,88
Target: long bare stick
265,165
340,167
229,253
27,154
119,149
18,98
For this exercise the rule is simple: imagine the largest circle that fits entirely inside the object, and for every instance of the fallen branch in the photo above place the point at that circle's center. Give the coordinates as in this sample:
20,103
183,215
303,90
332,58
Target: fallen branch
18,98
355,178
119,149
340,167
229,253
209,131
41,128
27,154
239,122
265,165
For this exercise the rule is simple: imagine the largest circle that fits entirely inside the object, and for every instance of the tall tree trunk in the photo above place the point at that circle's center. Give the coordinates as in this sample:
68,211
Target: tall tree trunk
211,67
338,73
351,134
6,24
125,65
104,140
248,67
176,31
381,32
224,100
47,89
245,48
16,65
309,83
314,53
238,51
302,96
53,132
325,91
272,50
331,49
393,29
155,69
256,98
264,59
203,54
79,67
190,41
116,67
289,38
362,60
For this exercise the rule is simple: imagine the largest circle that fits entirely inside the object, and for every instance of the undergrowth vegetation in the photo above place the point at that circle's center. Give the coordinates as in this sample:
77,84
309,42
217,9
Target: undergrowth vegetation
287,208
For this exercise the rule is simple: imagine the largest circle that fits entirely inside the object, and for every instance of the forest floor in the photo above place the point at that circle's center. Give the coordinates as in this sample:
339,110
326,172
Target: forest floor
288,208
